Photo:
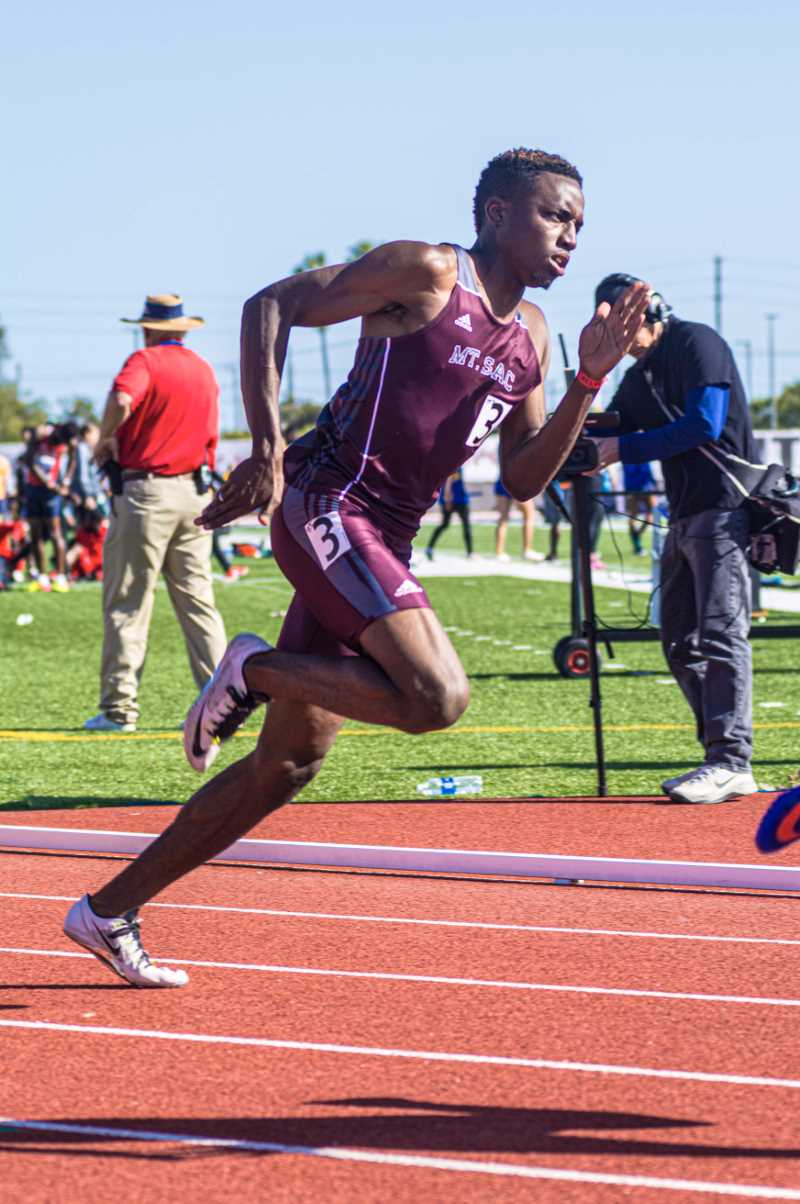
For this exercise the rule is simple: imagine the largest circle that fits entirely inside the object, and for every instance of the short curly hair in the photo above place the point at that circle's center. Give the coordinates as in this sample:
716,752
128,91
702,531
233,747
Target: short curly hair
506,173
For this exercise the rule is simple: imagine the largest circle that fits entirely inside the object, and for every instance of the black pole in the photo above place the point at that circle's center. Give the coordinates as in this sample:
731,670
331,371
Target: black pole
583,500
576,613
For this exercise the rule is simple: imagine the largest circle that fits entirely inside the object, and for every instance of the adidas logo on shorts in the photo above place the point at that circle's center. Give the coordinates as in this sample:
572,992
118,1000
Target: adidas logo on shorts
408,587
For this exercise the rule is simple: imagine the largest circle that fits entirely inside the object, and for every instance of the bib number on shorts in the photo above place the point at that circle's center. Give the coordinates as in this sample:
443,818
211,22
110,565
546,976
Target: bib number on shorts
328,538
490,415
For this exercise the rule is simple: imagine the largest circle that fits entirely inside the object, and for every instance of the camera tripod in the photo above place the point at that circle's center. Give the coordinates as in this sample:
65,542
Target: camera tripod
584,650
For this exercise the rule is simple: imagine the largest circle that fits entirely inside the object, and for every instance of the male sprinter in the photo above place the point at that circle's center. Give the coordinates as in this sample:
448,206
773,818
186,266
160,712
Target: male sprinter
449,351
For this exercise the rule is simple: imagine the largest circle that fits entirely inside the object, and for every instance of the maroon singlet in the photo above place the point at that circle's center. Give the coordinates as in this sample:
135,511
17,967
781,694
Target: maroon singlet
412,410
417,406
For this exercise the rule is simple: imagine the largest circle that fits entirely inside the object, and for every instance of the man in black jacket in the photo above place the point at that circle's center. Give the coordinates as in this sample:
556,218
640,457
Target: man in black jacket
683,403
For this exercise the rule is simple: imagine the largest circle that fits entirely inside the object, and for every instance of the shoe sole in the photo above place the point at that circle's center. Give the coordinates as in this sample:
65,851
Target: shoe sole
201,761
675,797
104,960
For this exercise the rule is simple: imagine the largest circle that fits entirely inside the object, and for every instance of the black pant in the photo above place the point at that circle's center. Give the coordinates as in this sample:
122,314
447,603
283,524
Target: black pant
705,621
462,510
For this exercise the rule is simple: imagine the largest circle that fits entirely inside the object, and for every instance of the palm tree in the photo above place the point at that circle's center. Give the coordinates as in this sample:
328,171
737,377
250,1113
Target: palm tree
358,249
318,259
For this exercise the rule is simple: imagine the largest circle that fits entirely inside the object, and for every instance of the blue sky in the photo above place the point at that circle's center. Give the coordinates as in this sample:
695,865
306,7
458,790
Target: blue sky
204,148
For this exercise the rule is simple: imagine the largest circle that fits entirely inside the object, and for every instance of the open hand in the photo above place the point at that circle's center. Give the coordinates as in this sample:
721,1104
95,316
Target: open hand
609,335
255,484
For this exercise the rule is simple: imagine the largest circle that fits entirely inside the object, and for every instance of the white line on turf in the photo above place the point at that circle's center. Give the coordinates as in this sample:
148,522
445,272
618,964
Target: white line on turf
477,924
512,1170
497,984
420,1055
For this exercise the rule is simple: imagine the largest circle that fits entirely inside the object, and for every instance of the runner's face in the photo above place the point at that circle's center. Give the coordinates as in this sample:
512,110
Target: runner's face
542,227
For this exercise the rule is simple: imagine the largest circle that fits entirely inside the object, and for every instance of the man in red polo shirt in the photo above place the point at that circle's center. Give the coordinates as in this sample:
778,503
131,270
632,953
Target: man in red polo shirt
160,426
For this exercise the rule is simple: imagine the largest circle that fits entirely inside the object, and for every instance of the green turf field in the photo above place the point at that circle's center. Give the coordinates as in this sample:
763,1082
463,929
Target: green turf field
527,730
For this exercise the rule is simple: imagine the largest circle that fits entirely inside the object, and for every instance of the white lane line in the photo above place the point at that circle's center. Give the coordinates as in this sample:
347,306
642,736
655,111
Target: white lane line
377,1051
511,1170
441,980
485,926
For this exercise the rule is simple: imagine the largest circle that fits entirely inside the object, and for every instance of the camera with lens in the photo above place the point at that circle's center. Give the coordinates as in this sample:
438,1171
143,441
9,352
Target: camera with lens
583,457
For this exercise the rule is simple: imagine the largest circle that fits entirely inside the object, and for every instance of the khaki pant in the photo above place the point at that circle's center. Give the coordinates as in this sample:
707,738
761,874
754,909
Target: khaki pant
152,530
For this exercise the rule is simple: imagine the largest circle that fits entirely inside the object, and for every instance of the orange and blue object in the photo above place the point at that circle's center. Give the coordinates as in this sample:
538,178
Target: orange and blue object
780,824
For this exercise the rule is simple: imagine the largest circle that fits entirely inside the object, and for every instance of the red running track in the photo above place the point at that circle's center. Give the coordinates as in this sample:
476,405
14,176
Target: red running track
610,1043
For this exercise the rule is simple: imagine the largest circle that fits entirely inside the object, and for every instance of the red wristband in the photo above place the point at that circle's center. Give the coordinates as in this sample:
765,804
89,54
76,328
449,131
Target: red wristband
583,379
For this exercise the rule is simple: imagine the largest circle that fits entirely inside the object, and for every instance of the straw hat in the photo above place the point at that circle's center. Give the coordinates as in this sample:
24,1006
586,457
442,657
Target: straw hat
164,311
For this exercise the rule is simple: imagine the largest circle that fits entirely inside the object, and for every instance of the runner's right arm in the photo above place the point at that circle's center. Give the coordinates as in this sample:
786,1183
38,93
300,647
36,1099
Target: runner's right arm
399,285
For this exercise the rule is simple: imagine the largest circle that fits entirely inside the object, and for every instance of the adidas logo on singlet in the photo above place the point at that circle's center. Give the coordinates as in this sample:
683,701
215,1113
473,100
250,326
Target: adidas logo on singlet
408,587
464,322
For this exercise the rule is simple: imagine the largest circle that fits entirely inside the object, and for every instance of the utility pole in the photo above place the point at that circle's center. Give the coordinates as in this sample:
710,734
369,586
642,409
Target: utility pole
290,374
326,363
747,344
233,369
718,293
773,405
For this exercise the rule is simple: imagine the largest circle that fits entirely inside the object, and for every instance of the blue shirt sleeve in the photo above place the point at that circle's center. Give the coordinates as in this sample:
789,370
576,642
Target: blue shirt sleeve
704,420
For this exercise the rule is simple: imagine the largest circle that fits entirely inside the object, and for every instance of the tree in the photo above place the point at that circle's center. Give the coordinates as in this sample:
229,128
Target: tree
318,259
297,417
358,249
16,412
787,409
79,409
5,352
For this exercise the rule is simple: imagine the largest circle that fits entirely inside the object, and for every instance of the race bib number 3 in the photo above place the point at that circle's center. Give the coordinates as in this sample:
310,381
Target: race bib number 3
328,538
490,415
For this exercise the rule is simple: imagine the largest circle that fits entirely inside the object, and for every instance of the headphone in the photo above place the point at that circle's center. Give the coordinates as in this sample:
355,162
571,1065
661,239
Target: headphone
611,287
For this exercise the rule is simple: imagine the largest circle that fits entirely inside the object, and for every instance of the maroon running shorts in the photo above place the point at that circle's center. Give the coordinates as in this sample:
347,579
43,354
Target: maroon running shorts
345,570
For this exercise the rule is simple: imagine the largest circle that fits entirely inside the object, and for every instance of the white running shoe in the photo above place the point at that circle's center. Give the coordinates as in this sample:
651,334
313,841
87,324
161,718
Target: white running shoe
532,555
116,943
102,723
714,784
223,704
669,784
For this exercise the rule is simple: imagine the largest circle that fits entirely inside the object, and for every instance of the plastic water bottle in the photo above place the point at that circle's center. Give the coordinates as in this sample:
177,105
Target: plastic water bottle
448,786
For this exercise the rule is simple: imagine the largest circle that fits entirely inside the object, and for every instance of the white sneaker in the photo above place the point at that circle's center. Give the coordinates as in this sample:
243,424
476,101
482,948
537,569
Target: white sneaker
223,705
116,943
714,784
532,555
669,784
102,723
504,558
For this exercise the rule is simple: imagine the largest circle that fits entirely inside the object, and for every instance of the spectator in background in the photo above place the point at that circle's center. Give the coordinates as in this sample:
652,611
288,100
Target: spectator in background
85,557
528,511
5,486
552,514
86,489
639,504
47,466
223,557
453,499
160,430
